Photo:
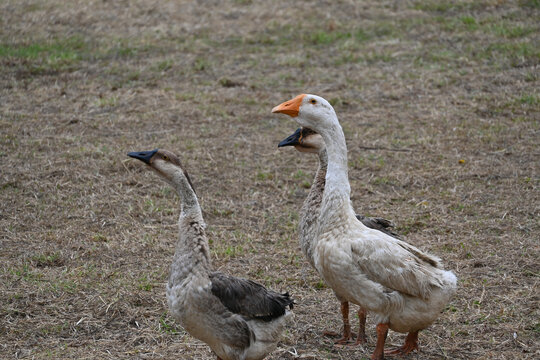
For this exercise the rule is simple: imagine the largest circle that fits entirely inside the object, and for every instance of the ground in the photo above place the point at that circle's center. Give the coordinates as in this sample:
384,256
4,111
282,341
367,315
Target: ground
440,104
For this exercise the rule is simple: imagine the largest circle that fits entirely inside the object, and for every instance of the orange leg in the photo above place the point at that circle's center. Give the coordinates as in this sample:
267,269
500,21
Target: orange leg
346,326
347,335
361,339
382,331
411,343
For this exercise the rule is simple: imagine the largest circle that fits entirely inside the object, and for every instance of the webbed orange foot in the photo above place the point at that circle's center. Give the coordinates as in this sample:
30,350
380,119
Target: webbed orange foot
329,333
344,340
411,344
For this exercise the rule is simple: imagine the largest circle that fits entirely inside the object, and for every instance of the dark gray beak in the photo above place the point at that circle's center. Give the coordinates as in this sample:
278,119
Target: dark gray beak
292,139
144,156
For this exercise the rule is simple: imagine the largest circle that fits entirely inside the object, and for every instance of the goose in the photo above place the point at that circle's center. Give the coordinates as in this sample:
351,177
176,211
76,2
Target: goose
306,140
239,319
405,288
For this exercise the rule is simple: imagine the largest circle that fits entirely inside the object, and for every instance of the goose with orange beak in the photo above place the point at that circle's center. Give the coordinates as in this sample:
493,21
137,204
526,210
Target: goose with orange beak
405,288
308,141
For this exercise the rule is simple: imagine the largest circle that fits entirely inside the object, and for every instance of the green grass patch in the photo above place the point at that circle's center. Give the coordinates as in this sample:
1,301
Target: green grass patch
505,51
351,39
201,64
382,181
331,37
163,65
68,48
55,329
121,48
49,55
535,4
378,56
145,284
529,99
447,6
300,174
110,101
263,175
47,260
437,6
167,325
509,31
25,272
438,56
320,285
469,22
228,251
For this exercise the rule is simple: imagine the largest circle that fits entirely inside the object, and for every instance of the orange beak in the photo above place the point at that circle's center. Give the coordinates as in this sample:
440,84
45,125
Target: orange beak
291,107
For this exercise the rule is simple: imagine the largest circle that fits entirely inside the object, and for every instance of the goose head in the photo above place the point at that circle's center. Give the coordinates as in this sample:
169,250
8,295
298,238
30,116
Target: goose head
305,140
309,111
163,162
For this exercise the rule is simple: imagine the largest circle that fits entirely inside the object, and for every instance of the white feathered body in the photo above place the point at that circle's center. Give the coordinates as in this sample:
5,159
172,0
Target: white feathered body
398,283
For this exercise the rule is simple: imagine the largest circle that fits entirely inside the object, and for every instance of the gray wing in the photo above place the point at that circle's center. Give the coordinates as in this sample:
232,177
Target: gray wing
378,224
230,328
248,298
398,266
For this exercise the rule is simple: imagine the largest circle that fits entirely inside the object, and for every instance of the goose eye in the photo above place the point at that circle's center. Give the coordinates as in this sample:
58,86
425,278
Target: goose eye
313,101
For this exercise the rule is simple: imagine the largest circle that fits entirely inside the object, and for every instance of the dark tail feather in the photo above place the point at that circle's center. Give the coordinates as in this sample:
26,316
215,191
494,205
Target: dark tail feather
288,301
380,224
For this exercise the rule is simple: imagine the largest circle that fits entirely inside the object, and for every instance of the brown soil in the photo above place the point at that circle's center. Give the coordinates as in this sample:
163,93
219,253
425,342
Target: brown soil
441,109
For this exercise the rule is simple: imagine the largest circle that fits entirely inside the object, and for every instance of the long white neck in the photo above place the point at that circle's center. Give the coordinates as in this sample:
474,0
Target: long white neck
337,175
336,204
192,255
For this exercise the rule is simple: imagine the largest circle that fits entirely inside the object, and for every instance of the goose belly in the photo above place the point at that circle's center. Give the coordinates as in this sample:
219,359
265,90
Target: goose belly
189,316
185,307
416,313
202,326
334,262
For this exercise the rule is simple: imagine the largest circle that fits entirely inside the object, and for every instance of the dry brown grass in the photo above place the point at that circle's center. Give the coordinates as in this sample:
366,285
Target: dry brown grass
87,234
